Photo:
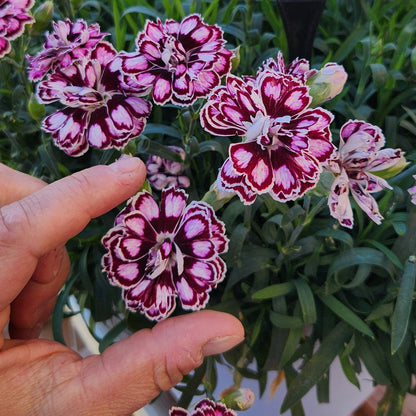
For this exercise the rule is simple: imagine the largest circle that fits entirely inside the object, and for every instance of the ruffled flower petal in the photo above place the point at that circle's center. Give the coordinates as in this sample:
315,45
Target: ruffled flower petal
158,255
359,155
284,141
204,407
183,60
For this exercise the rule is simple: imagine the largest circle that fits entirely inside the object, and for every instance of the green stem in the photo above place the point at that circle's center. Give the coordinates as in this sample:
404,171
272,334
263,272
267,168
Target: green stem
193,384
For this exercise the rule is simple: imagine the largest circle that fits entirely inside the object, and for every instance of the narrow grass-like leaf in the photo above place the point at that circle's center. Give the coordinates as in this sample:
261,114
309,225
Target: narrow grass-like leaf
338,235
285,321
278,289
376,365
348,370
141,10
350,43
111,335
346,314
389,254
360,255
58,310
292,342
317,366
152,128
403,307
306,300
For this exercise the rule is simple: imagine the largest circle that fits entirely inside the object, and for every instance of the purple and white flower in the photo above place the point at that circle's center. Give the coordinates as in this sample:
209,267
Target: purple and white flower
355,165
284,144
324,84
204,407
159,254
98,111
163,173
14,15
182,60
412,192
299,68
68,42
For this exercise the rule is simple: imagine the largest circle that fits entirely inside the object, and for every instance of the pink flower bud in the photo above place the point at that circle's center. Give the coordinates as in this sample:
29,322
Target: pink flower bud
327,83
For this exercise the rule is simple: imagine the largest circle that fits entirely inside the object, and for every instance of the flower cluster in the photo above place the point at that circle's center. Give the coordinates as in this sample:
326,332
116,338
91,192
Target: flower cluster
162,173
204,407
158,254
102,89
14,15
212,128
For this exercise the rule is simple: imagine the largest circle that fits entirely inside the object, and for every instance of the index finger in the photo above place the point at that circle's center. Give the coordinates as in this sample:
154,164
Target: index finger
46,219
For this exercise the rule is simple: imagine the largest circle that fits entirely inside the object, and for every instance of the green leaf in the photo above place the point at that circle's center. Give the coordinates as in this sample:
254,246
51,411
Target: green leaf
112,334
380,75
339,235
360,255
373,361
152,128
317,366
348,370
293,339
306,300
403,307
141,10
278,289
58,311
285,321
350,43
389,254
346,314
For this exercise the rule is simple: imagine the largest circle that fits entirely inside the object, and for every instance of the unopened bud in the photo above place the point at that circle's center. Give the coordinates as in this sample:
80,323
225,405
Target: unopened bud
43,16
395,169
235,60
216,197
327,83
36,109
241,399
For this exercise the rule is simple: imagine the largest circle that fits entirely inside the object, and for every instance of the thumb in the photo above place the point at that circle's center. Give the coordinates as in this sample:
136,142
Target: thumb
132,372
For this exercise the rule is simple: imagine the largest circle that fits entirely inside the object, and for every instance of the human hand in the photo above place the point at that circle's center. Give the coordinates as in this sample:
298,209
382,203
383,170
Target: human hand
39,377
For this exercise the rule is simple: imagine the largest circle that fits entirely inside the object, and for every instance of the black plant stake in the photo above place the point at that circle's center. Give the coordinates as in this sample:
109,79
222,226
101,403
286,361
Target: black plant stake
300,19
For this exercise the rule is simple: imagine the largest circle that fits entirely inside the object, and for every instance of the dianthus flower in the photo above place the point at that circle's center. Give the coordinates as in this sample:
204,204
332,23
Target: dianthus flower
358,156
324,84
183,61
14,15
412,192
98,111
68,42
284,143
159,254
299,68
163,173
204,407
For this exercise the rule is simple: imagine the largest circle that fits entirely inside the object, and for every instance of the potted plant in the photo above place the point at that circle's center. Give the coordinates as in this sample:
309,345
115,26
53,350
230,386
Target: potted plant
293,186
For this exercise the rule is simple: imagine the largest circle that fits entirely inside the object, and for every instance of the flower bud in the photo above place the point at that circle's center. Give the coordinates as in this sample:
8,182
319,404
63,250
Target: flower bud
36,109
216,197
235,60
327,83
241,399
395,169
43,16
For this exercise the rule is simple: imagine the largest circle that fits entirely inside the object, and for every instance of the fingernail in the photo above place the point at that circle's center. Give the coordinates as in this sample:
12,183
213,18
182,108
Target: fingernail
219,345
126,164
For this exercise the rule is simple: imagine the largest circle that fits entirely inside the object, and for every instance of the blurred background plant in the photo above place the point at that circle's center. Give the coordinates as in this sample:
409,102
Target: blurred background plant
306,289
